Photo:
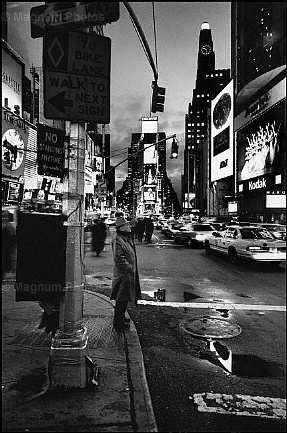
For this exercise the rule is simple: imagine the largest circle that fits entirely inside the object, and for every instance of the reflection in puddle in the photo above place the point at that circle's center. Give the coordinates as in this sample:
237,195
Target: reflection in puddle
187,296
253,366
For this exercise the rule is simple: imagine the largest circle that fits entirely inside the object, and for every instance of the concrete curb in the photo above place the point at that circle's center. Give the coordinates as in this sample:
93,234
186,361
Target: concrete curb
140,392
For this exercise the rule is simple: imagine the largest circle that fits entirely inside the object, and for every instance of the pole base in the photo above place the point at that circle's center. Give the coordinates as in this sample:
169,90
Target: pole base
68,361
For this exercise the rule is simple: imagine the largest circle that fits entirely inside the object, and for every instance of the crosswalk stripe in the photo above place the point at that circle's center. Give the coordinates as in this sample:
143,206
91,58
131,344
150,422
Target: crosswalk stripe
239,404
225,306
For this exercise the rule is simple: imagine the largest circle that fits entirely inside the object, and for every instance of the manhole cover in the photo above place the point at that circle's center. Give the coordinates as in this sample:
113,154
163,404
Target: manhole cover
210,327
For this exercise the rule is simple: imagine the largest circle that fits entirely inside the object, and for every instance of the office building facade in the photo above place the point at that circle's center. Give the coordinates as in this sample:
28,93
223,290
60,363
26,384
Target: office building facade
209,82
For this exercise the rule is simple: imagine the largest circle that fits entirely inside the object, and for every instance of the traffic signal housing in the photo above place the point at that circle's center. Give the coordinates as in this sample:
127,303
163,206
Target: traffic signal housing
158,97
174,149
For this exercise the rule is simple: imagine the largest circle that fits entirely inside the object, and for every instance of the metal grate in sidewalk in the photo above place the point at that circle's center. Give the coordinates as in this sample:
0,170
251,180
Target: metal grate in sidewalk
100,331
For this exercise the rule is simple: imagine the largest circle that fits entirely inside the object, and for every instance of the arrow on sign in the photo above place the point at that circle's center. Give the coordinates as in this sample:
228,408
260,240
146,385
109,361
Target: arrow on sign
60,102
51,168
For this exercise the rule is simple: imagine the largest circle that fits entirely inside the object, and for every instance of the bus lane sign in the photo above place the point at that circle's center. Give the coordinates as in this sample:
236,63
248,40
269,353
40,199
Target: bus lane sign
76,76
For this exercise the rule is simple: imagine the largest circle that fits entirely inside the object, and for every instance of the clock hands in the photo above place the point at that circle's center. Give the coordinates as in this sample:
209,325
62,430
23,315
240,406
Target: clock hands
11,148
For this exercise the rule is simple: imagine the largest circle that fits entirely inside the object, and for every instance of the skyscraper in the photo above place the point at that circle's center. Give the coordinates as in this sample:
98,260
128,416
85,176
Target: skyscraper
209,82
258,46
147,188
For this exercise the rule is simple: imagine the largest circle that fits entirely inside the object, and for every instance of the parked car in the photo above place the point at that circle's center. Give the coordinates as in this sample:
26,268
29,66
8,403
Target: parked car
193,234
247,242
277,230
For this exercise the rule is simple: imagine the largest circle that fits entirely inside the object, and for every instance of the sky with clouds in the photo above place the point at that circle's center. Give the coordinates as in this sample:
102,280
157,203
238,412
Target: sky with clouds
177,26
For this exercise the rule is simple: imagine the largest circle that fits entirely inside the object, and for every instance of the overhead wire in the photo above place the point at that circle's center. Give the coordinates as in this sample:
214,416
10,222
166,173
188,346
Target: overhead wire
141,34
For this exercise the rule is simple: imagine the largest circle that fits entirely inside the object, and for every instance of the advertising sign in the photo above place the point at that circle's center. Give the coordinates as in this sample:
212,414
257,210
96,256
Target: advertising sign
276,199
50,151
260,145
12,81
149,194
221,155
76,76
14,191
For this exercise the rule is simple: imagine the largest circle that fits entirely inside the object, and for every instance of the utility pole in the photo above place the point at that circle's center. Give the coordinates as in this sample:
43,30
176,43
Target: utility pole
69,346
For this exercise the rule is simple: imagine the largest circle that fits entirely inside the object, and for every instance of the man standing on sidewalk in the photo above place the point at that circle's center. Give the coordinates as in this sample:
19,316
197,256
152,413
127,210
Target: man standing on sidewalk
125,283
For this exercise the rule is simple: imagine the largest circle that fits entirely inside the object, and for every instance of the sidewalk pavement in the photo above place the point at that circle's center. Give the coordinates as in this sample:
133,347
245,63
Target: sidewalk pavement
121,401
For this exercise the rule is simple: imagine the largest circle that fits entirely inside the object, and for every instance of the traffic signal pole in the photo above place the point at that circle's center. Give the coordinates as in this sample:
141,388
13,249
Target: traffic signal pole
70,344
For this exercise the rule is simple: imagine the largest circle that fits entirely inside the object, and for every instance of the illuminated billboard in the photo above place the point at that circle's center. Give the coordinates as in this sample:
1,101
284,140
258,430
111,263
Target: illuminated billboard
260,145
12,81
276,199
149,194
221,155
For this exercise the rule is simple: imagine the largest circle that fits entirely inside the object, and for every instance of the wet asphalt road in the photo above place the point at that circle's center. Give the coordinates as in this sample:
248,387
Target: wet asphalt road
179,367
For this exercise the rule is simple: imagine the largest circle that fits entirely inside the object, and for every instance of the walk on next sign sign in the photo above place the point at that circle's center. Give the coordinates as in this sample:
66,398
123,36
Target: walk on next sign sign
76,76
74,16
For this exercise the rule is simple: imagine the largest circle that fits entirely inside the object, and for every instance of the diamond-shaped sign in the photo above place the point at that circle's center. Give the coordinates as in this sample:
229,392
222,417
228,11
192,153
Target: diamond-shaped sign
76,76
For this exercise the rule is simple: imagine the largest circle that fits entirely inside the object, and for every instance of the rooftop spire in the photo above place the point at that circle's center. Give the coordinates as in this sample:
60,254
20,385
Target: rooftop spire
205,26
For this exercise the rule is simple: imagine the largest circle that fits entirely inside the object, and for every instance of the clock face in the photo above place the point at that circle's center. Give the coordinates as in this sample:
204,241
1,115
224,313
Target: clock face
222,110
206,49
12,149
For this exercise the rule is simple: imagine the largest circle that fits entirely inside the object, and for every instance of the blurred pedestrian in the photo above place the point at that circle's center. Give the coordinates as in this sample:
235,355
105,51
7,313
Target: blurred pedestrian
140,228
149,227
125,283
133,224
99,234
9,243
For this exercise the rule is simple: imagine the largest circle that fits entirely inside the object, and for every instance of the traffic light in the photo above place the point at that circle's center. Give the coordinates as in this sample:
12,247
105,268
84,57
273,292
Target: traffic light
158,97
174,149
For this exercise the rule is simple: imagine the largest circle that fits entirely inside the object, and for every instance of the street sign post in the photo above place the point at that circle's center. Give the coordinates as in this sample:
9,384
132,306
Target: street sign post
76,76
80,16
50,151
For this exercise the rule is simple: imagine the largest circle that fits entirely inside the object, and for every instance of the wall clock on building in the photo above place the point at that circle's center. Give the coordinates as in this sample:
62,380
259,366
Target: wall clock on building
12,149
206,49
222,110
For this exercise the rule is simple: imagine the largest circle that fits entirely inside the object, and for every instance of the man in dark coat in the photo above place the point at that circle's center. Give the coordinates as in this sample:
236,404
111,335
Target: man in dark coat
140,228
125,283
99,234
149,227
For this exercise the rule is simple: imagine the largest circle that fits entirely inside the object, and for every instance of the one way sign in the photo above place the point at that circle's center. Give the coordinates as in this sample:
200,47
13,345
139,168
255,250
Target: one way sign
76,76
72,15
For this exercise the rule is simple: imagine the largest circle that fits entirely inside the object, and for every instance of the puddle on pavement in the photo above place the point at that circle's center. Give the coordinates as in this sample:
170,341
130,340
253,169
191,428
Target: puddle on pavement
224,313
249,366
174,290
187,296
253,366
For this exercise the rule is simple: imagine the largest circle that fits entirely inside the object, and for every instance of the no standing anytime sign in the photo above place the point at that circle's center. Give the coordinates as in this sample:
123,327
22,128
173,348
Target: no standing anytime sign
76,76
